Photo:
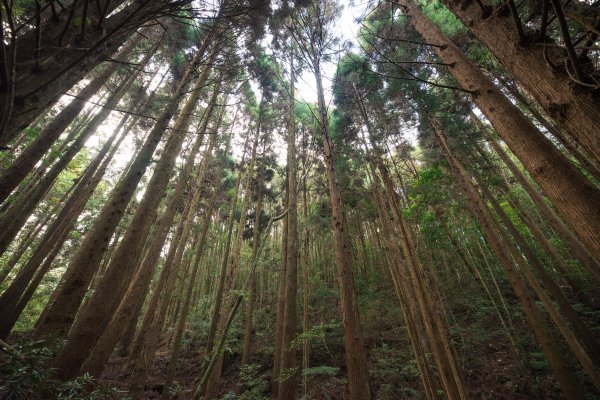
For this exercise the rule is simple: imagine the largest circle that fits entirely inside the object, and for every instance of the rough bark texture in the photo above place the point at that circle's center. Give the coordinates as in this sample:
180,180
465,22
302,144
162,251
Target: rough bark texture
57,70
87,259
92,319
20,210
500,244
575,198
11,177
575,108
212,386
39,263
287,387
356,356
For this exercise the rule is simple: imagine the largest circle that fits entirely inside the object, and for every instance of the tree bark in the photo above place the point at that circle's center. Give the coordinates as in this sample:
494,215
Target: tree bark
356,356
85,262
212,386
571,389
11,177
574,107
93,317
287,387
575,197
61,63
22,287
20,210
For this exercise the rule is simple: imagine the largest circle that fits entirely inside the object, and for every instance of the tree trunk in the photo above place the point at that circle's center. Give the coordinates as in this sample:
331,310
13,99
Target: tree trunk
87,258
574,107
212,386
192,281
60,61
11,177
356,356
280,303
305,289
216,310
582,254
575,197
39,263
20,210
494,235
287,387
93,317
251,301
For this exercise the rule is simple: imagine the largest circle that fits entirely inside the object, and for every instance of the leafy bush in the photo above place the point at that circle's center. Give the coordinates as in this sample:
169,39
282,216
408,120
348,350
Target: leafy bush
254,387
321,370
25,374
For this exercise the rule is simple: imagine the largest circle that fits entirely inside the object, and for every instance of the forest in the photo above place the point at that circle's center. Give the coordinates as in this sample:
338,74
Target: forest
309,199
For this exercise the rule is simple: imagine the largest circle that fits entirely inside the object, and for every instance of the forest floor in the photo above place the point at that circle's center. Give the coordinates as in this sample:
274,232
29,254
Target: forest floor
491,376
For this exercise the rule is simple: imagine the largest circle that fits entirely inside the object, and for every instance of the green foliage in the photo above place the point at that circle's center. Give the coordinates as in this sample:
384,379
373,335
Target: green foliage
26,374
315,334
321,370
538,361
443,18
253,385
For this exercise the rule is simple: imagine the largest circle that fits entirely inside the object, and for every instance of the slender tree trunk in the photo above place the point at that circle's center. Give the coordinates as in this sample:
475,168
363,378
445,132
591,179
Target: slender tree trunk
87,258
499,243
202,386
569,320
287,387
251,301
20,210
145,343
356,356
583,255
39,263
412,317
214,321
305,290
92,318
212,386
192,280
61,68
280,302
11,177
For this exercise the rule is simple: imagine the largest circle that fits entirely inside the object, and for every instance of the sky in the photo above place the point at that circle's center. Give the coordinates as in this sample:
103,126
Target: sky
346,30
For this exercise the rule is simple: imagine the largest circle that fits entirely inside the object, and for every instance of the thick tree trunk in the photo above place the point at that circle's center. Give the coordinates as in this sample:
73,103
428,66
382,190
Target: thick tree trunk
92,319
575,198
574,107
582,254
20,210
61,63
40,262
